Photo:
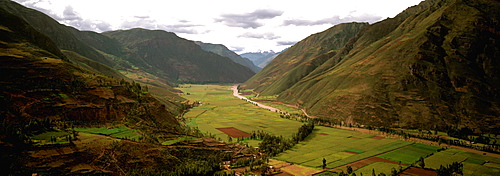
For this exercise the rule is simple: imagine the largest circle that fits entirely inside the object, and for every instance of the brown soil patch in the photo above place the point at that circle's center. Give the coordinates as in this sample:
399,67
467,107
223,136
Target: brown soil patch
364,162
233,132
300,170
378,137
323,134
262,127
350,137
418,172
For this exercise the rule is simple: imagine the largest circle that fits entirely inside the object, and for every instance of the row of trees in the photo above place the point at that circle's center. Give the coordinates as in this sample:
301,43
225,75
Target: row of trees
462,133
494,148
273,145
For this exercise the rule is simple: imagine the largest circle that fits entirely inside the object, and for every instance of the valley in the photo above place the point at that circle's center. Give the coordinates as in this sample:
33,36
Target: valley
364,151
416,93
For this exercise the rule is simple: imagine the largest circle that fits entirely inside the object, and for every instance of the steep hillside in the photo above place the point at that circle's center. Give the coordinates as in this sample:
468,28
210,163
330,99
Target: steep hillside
432,66
57,118
43,92
178,59
302,58
224,51
59,33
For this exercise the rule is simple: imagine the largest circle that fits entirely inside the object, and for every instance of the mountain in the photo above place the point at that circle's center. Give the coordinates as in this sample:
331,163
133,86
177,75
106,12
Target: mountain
224,51
59,33
433,66
59,116
194,66
302,58
178,59
44,93
259,58
268,60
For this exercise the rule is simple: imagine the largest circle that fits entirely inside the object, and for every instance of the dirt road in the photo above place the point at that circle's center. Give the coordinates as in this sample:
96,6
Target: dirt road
237,94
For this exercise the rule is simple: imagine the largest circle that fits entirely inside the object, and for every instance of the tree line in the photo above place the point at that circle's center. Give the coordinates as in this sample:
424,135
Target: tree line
273,145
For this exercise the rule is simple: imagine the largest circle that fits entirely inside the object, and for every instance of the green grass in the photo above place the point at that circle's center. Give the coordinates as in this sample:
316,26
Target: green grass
474,164
45,138
331,147
170,142
219,109
121,132
410,154
380,167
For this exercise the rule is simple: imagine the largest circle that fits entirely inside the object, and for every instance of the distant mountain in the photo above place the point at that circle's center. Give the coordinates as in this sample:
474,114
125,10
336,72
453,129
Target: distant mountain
433,66
260,58
177,59
224,51
268,60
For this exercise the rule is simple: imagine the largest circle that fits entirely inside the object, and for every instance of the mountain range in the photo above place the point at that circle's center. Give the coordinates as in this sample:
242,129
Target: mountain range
139,51
433,66
56,81
224,51
262,58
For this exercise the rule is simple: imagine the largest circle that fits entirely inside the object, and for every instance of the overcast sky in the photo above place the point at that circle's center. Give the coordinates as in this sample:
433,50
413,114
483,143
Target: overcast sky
242,26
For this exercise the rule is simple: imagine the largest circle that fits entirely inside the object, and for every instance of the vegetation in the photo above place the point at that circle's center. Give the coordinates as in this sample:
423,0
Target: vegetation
400,72
225,52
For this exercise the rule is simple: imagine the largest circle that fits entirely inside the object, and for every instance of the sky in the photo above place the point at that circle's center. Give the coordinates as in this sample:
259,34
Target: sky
242,26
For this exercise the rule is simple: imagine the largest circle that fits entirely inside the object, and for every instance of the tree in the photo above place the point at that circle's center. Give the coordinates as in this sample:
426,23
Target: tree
421,162
349,170
324,163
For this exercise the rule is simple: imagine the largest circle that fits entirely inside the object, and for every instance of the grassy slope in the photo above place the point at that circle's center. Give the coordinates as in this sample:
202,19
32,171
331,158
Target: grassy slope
59,33
224,51
178,59
429,66
298,61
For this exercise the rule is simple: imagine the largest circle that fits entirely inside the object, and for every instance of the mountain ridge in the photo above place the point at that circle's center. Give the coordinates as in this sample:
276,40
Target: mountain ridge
429,67
224,51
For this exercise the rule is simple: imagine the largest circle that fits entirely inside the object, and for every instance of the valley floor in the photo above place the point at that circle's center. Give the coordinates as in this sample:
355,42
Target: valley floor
360,150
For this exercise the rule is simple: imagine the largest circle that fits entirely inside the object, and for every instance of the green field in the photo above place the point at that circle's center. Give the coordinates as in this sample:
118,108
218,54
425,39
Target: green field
121,132
332,144
410,154
58,137
219,109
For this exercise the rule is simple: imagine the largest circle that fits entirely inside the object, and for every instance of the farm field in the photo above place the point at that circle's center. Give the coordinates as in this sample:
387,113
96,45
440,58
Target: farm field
121,132
219,110
363,152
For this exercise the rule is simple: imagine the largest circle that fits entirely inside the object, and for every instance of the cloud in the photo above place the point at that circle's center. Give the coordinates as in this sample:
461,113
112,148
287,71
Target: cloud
141,17
285,43
237,48
182,28
70,15
268,35
33,5
333,20
248,20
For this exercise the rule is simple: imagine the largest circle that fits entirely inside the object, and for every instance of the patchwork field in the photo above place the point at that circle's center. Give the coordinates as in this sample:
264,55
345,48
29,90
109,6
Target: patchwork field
219,109
225,116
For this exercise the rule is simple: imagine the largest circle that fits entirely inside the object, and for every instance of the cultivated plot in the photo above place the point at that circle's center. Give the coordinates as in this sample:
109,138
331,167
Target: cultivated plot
220,110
